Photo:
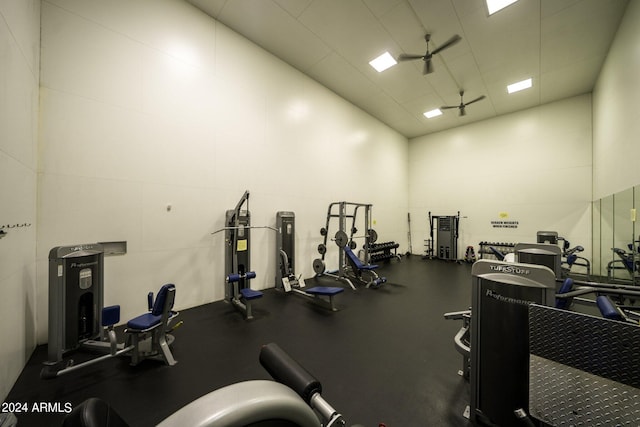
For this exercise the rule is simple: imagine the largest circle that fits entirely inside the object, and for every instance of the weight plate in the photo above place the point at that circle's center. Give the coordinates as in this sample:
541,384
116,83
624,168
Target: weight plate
341,239
323,231
373,236
353,244
322,249
318,266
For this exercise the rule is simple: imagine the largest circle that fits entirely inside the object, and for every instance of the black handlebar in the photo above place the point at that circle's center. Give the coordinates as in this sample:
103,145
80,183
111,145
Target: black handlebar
289,372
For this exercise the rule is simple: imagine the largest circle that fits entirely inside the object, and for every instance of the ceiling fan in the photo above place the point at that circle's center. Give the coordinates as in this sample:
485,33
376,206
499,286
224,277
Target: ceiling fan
463,104
428,67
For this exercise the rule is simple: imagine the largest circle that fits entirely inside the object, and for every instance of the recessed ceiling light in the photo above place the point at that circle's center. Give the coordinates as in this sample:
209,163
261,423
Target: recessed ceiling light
383,62
495,5
433,113
515,87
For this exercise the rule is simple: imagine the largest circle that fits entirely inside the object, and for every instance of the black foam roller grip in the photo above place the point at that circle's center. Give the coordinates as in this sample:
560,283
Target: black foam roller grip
287,371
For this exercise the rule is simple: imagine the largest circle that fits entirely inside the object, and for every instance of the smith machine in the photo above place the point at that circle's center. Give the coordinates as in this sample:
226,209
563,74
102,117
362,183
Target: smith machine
349,265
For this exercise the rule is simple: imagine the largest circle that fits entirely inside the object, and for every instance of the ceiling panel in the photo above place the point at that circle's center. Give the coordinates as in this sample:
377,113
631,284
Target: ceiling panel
561,44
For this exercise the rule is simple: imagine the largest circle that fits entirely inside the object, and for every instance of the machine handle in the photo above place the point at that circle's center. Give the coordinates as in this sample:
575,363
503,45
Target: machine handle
289,372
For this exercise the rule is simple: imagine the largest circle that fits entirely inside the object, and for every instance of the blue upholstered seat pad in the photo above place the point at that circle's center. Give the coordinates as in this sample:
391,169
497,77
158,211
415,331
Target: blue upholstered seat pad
356,261
248,293
144,321
110,315
324,290
607,308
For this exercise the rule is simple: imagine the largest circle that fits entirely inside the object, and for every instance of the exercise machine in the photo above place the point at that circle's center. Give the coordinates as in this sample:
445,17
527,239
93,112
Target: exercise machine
348,268
570,257
293,399
445,244
547,254
78,319
286,279
76,280
365,273
462,339
627,261
237,259
501,294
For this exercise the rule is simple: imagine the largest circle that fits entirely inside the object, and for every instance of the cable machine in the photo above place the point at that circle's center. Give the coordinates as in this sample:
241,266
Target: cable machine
237,257
445,244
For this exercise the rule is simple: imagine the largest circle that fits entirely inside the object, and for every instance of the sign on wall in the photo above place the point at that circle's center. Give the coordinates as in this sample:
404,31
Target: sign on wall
504,221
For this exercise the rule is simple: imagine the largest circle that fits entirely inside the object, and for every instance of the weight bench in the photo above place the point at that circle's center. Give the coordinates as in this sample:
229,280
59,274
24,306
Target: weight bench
359,268
147,333
319,292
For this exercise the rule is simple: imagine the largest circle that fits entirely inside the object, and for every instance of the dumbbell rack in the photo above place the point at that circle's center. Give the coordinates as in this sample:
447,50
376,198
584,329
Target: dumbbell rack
503,247
383,251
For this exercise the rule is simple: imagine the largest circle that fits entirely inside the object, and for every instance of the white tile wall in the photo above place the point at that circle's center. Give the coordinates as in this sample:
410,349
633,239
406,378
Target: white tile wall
616,123
19,56
151,103
534,165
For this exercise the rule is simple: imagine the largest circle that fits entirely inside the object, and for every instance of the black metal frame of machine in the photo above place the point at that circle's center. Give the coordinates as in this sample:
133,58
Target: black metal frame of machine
501,295
445,244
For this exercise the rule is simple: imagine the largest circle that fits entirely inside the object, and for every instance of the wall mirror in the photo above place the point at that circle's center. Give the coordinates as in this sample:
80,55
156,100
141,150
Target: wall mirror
615,237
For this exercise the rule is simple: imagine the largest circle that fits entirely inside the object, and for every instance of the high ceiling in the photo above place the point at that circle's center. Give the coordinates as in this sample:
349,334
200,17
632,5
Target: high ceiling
560,44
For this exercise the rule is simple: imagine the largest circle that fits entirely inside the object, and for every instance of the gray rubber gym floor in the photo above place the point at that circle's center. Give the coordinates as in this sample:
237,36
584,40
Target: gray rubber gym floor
386,357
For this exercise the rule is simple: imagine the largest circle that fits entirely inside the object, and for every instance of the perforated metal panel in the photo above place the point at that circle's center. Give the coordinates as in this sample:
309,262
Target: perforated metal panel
583,370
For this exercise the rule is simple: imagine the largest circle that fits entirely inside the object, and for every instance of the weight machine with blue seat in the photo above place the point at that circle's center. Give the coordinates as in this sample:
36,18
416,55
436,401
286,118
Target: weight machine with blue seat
237,262
363,272
569,255
147,333
78,320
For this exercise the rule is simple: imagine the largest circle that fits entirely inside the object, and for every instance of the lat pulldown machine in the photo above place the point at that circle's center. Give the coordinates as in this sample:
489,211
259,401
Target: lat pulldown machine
237,260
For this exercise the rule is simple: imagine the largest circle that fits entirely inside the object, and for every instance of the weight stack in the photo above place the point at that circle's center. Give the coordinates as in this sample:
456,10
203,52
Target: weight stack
76,280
